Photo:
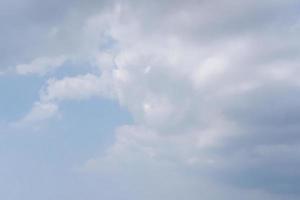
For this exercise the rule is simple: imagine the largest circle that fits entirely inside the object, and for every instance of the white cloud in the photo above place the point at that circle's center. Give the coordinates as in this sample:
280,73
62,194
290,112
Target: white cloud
40,112
76,88
40,65
188,108
80,87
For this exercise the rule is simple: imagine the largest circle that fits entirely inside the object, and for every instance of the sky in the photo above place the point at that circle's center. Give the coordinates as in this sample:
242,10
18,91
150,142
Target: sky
149,100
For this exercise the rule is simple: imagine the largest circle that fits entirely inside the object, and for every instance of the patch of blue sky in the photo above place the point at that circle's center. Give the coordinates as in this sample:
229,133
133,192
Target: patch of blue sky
17,95
72,68
40,164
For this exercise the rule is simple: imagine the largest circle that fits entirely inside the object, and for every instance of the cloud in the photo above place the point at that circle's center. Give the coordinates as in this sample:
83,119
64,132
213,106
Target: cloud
219,97
75,88
40,66
40,112
32,30
80,87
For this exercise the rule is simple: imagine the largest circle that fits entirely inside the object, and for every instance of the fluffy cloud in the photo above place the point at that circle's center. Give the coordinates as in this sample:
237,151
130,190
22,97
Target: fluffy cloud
79,87
213,91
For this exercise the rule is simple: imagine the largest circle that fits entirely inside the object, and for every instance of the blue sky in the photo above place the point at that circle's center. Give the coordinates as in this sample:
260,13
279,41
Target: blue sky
144,100
41,163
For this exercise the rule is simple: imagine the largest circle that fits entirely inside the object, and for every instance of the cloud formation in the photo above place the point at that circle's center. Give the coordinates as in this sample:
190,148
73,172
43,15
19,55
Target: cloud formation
212,87
205,85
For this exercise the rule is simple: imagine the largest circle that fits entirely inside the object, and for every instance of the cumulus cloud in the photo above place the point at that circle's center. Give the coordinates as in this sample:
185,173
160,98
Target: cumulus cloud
216,92
75,88
80,87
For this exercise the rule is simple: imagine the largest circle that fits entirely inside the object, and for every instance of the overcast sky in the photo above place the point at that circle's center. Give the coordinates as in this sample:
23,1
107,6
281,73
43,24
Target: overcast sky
150,100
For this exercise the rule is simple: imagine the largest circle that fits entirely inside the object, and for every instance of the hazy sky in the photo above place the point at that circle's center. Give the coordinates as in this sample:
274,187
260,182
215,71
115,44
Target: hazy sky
149,100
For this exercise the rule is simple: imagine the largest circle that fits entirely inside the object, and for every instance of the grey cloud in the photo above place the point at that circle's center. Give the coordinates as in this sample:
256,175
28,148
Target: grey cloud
265,152
26,27
261,151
